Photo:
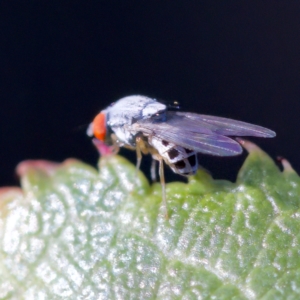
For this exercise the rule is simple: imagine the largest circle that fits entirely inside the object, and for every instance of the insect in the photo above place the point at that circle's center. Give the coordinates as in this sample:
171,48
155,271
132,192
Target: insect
174,137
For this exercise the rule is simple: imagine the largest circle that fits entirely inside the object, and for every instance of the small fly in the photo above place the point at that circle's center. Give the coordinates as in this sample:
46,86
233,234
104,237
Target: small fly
174,137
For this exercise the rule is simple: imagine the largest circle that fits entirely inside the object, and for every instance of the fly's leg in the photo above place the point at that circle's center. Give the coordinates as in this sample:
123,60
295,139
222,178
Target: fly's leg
153,170
138,159
115,145
163,186
115,149
141,147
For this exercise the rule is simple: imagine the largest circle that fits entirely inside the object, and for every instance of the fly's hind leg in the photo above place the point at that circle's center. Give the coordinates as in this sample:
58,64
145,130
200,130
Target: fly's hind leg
163,185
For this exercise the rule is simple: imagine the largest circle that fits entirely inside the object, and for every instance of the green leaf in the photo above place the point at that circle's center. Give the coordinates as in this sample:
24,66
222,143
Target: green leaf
74,233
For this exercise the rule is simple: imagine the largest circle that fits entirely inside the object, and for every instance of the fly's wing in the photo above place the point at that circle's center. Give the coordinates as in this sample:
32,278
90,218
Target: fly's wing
205,134
213,144
217,125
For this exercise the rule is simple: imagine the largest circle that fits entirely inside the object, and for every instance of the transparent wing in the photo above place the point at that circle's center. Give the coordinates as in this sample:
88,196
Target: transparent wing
205,143
217,125
205,134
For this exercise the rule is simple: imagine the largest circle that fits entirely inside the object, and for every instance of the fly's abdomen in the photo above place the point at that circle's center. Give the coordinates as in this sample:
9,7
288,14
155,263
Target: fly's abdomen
181,160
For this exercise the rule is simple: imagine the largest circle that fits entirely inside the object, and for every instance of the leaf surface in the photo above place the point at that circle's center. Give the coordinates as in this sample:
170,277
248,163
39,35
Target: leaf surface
75,233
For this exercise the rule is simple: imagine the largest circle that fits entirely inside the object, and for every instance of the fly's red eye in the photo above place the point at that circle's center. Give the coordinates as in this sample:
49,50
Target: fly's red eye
99,126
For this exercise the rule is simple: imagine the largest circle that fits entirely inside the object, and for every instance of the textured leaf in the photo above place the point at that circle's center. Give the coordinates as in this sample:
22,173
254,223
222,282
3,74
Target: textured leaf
74,233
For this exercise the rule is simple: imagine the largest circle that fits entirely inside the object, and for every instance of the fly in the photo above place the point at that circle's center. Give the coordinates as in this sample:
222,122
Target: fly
174,137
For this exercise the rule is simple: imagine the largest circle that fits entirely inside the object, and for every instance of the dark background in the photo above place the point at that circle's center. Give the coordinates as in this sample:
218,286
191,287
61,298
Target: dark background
63,61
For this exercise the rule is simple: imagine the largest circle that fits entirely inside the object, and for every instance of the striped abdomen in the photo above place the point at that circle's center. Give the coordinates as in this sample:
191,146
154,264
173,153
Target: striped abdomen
181,160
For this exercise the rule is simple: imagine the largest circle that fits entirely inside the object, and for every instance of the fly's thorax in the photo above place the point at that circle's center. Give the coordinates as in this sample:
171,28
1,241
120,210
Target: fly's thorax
129,110
122,117
181,160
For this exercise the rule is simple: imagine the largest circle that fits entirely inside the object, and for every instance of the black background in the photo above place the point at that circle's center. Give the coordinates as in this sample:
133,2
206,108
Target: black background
63,61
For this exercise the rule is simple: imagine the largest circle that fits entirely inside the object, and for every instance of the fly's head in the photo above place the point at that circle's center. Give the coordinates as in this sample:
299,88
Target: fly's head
98,127
103,137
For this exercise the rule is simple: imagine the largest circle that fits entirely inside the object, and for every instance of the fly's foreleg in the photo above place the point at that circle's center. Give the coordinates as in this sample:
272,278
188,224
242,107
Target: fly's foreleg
141,147
115,146
138,158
